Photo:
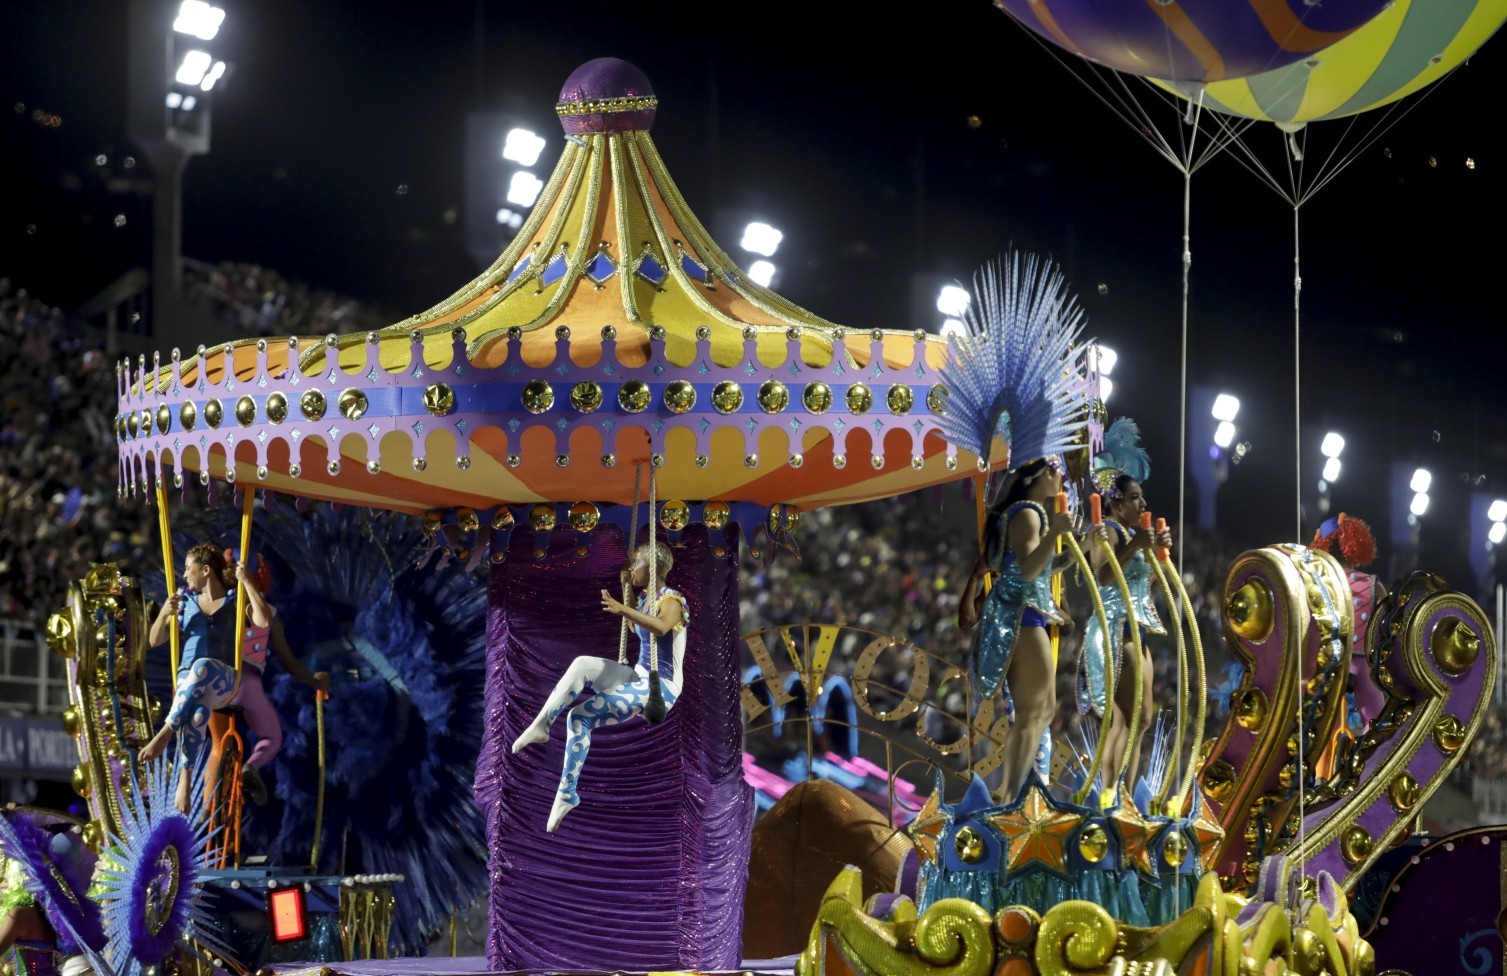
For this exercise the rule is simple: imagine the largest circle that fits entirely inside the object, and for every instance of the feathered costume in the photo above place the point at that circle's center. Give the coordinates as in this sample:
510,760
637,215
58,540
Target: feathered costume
53,869
406,646
1122,455
1015,372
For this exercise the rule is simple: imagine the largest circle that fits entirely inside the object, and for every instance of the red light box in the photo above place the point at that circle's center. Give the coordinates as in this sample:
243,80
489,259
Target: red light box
285,910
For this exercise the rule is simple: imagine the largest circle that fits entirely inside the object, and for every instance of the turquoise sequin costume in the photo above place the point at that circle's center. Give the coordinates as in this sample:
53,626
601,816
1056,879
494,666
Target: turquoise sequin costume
1012,603
1091,664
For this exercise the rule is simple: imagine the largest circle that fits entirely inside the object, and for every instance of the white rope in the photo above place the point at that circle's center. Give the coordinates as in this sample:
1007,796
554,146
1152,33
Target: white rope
653,601
622,635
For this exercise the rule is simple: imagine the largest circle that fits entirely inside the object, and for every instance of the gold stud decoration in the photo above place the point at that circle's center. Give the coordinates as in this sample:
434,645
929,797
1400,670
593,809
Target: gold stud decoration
538,396
937,399
277,408
1403,792
245,411
817,398
542,517
586,396
679,397
1174,849
609,460
352,404
1449,734
80,780
860,399
1355,844
1093,843
463,461
214,414
164,418
562,460
502,519
773,396
675,515
1250,611
420,463
60,634
431,520
969,844
900,399
439,399
584,516
467,519
1454,645
634,396
716,514
372,467
750,460
1251,710
727,397
312,405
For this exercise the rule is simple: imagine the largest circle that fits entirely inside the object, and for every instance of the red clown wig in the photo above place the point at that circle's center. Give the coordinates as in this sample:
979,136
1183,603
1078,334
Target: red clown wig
1347,539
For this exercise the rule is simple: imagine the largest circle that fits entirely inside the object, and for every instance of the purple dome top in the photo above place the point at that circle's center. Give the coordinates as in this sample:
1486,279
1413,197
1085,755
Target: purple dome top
606,95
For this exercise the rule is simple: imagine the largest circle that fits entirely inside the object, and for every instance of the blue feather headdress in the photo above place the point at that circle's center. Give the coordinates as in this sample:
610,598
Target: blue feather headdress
1122,454
57,876
1017,366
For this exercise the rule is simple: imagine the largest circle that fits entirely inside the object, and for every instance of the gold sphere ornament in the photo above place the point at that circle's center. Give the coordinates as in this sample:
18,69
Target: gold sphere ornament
586,396
609,460
609,332
937,399
773,396
1093,843
860,399
333,467
352,404
1403,792
562,460
727,397
372,467
1449,734
164,418
675,515
93,835
750,460
277,408
262,472
420,463
877,461
439,399
839,461
679,397
562,332
80,780
214,414
538,396
1250,611
1454,645
634,396
584,516
1175,849
703,333
969,844
702,460
1219,779
1355,844
817,398
716,514
146,422
431,520
513,460
1251,710
502,519
312,405
467,519
463,462
1308,955
900,399
71,720
60,636
797,459
294,470
542,517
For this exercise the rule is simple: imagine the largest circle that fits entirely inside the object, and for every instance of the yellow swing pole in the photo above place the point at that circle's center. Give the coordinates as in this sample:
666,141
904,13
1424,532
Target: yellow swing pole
248,504
168,575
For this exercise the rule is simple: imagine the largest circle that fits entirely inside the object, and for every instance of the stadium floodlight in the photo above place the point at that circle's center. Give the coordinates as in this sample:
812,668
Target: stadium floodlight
524,189
954,327
953,301
1106,360
522,147
1333,445
1421,481
761,272
1106,387
194,67
1226,407
189,102
1420,503
1498,533
760,238
199,19
1498,510
214,75
1224,434
174,100
510,218
1332,469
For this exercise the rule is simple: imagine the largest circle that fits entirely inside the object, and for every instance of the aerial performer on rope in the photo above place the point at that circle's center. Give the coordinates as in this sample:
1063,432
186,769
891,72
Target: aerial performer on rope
1118,472
618,692
1015,373
1349,540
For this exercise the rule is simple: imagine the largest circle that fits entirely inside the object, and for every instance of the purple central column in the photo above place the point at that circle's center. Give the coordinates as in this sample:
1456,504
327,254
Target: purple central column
648,872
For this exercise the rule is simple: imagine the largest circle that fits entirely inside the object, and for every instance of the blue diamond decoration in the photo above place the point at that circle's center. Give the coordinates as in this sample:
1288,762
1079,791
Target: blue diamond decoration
460,368
601,268
877,371
838,425
230,384
837,369
461,426
418,427
659,425
562,369
692,268
293,380
261,381
331,376
373,430
418,372
659,368
794,424
514,424
795,369
514,369
650,270
520,267
294,434
556,270
371,375
751,424
920,370
919,427
562,423
607,369
749,369
202,441
703,423
261,435
175,443
703,368
608,424
334,433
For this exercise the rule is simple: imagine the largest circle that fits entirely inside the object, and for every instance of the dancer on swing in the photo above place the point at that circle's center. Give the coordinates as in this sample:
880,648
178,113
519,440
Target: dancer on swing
1017,373
1118,472
618,692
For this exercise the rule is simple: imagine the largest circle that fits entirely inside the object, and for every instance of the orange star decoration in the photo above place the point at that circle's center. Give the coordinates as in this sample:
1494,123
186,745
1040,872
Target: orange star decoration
1037,832
1210,836
1135,836
927,828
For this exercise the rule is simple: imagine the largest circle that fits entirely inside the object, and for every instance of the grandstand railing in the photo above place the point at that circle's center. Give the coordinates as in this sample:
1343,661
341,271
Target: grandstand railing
30,679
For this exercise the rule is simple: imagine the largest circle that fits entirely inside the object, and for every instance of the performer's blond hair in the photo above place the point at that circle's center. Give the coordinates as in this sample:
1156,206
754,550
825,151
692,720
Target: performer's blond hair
661,555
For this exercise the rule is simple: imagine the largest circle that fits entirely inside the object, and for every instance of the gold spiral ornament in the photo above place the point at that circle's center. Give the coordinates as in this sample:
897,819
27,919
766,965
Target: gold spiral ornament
969,845
1455,646
352,404
439,399
586,396
312,405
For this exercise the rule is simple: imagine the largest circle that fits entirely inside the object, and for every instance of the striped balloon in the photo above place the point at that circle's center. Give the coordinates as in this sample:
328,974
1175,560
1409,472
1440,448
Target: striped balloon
1192,40
1407,47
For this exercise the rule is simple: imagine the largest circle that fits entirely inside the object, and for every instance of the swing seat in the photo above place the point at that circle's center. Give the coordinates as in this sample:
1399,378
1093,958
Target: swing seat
232,708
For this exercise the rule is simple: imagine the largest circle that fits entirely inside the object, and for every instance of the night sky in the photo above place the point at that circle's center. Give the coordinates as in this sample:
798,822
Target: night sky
338,147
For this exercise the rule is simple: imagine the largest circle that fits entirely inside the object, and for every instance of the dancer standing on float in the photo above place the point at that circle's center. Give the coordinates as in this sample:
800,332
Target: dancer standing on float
1350,541
1118,472
618,692
1013,647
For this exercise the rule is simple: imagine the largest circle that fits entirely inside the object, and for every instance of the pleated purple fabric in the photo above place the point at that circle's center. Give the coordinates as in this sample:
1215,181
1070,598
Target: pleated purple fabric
648,872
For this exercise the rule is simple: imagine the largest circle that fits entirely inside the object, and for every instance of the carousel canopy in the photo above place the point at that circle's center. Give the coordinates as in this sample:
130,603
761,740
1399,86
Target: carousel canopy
612,330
